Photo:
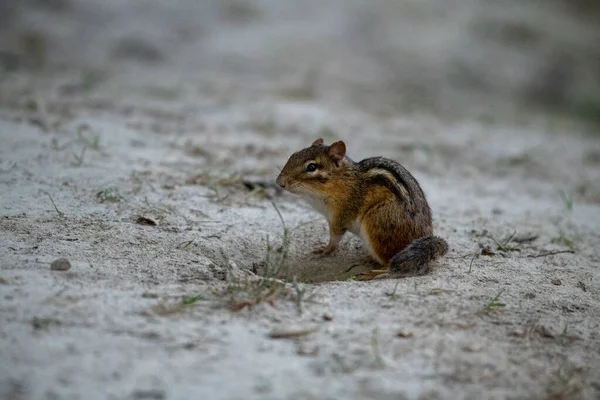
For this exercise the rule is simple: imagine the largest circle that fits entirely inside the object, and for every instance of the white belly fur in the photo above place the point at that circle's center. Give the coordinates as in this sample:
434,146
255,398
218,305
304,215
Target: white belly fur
358,229
319,206
362,233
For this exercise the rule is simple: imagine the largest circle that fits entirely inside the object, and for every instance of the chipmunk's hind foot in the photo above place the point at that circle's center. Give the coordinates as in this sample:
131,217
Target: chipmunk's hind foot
373,274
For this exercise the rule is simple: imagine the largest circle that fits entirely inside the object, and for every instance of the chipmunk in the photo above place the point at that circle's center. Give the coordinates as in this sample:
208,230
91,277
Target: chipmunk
377,199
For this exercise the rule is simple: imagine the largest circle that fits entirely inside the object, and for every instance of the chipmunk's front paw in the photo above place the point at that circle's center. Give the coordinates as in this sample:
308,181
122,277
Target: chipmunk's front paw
324,250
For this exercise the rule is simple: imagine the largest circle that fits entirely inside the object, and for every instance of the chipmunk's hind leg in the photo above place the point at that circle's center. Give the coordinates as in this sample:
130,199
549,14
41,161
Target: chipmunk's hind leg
380,233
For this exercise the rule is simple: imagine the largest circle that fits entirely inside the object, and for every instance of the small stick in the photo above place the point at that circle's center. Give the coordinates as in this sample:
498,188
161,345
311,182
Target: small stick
551,253
292,334
185,244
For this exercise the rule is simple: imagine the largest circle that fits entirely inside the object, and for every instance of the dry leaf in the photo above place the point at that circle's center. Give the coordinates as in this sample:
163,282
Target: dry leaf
403,333
292,333
487,251
147,221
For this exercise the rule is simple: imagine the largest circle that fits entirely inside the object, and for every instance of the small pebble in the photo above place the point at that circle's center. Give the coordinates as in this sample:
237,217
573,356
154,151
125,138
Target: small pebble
556,282
473,347
62,264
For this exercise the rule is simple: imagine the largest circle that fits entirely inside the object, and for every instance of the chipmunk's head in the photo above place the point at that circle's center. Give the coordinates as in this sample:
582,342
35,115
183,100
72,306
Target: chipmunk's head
308,171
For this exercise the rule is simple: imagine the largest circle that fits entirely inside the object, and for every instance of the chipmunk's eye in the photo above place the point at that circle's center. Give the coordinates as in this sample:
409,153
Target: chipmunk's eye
311,167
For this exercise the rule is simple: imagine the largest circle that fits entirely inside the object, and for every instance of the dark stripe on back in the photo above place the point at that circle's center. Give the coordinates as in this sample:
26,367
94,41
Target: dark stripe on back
392,168
384,181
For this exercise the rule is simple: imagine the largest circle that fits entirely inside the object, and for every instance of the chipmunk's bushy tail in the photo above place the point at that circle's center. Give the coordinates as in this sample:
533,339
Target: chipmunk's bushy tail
417,257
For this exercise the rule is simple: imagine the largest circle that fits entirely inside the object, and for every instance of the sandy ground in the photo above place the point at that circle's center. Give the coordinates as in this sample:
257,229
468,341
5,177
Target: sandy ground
172,306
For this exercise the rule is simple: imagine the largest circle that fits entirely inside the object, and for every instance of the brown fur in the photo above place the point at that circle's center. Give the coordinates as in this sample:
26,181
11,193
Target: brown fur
377,195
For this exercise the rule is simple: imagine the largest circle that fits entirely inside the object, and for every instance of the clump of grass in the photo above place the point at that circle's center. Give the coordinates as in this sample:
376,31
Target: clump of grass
504,245
36,107
185,245
108,195
393,294
300,295
473,257
565,383
215,183
56,146
438,291
60,213
90,80
164,308
494,303
196,150
563,240
481,233
92,143
279,262
248,292
565,339
79,158
378,358
567,200
344,368
192,299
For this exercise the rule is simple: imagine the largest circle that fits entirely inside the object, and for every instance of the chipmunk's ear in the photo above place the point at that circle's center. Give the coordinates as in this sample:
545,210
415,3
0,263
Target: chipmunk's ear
337,151
318,142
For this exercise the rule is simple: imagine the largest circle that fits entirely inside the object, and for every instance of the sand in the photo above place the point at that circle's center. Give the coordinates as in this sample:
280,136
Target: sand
151,186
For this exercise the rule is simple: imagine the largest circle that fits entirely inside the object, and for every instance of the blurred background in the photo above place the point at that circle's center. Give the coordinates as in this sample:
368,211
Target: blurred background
469,58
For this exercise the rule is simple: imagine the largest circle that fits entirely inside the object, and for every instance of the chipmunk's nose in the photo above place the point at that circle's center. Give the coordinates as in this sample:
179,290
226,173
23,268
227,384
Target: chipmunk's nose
280,181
